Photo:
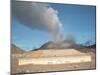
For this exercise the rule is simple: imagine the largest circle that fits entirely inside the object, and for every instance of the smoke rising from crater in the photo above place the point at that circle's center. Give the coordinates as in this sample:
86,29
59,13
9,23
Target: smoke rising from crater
39,16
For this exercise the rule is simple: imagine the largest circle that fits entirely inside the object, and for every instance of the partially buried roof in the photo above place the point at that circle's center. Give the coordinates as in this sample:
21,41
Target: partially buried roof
53,53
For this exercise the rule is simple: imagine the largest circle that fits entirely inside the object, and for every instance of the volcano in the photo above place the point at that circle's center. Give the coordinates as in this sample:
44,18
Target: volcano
59,45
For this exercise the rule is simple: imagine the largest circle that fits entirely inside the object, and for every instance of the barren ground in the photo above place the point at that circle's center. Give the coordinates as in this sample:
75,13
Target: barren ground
15,69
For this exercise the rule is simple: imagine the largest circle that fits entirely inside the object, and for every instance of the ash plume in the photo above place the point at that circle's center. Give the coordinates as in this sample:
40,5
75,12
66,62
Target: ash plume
39,16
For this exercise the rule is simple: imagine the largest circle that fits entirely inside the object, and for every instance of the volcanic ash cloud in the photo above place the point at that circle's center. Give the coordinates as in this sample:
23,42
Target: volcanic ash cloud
39,16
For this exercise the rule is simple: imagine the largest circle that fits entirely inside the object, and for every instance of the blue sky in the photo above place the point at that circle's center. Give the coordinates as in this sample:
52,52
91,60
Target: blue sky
77,20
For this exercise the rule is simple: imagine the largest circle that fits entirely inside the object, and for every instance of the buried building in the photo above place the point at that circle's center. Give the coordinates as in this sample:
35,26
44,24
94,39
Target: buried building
52,60
46,57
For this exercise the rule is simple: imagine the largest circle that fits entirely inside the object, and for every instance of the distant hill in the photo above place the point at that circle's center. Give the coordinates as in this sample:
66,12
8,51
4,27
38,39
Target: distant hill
63,45
16,50
60,45
92,46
